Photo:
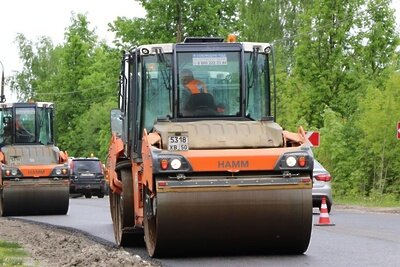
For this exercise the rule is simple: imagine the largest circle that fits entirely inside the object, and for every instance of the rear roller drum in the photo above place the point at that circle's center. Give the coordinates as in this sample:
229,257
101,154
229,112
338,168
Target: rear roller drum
35,199
2,213
111,199
150,222
123,212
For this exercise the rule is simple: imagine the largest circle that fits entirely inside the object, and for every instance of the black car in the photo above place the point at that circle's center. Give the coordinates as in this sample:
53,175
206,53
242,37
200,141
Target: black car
87,177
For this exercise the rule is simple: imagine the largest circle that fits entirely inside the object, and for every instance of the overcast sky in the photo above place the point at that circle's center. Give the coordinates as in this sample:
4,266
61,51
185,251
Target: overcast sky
36,18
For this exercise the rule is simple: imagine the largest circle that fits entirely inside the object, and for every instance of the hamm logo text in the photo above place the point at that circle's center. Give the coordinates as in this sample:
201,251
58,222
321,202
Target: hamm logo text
222,164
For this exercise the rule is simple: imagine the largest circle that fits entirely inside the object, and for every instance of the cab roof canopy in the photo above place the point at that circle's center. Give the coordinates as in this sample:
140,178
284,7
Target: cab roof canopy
27,104
203,40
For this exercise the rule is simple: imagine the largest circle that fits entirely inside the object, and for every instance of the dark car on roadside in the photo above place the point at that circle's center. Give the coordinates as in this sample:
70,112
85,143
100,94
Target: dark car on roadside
321,186
87,177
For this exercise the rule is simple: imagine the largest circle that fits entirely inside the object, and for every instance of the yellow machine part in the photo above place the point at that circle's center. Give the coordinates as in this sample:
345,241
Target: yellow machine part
266,219
42,196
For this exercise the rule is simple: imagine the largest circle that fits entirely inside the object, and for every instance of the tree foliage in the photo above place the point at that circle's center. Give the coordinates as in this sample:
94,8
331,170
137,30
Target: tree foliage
276,22
172,20
336,59
378,116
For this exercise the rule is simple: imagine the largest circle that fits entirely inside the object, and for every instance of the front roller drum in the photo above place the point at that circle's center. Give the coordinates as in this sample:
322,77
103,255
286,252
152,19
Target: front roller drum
228,221
34,197
123,213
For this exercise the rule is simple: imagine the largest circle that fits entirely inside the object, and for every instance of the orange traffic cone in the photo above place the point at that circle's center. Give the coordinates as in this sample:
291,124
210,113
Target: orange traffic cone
324,215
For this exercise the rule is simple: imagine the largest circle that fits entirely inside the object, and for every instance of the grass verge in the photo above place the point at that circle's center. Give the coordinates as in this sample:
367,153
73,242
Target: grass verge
384,202
11,254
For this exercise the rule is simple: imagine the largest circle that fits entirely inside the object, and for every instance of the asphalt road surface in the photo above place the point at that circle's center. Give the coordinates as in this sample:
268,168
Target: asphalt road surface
359,238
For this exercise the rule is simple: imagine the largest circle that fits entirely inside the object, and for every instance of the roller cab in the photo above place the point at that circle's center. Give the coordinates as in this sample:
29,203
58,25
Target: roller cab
197,163
34,177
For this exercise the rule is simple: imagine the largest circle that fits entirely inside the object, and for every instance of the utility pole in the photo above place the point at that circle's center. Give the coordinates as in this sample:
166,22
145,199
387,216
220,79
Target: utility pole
2,96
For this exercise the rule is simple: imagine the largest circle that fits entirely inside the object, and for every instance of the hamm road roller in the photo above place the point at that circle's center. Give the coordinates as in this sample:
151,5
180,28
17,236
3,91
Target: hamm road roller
197,163
34,177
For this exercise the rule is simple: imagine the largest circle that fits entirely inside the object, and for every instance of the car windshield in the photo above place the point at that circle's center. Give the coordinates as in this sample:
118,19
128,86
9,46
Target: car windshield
82,166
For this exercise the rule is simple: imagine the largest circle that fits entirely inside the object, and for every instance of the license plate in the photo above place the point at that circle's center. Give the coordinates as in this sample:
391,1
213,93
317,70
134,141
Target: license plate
178,142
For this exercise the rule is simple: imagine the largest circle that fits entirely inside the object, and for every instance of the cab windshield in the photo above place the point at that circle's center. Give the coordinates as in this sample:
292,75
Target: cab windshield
258,86
156,88
208,84
25,125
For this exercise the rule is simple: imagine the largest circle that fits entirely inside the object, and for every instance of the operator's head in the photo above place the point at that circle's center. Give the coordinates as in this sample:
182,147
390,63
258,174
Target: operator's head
186,76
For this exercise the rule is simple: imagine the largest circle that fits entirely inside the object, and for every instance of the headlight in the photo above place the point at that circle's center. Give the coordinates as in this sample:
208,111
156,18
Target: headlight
295,161
11,172
291,161
176,164
170,163
60,171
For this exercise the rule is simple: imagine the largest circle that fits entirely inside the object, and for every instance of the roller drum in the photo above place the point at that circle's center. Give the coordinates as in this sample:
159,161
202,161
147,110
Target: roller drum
35,197
232,221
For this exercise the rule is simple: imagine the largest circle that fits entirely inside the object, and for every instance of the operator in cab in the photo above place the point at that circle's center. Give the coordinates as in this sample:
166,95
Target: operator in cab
193,85
196,98
22,134
7,132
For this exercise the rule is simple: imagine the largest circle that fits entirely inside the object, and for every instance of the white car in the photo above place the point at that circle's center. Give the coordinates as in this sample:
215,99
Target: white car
321,186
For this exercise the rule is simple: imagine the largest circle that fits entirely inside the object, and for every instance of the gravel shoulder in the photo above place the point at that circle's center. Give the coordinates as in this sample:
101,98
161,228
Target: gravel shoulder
50,246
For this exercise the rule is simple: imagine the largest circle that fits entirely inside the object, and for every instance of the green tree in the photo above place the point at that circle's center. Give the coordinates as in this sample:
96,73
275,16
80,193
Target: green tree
39,64
324,56
80,77
380,40
93,128
339,141
87,78
277,22
98,90
170,21
378,115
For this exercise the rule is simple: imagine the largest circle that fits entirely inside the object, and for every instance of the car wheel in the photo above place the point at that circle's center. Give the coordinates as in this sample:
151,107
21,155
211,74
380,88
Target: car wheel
329,205
100,195
88,195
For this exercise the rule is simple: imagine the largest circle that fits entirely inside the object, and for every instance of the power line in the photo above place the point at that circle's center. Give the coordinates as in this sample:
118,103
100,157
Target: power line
104,86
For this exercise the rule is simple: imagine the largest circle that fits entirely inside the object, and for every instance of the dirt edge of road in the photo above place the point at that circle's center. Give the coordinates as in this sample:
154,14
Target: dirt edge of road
394,210
49,245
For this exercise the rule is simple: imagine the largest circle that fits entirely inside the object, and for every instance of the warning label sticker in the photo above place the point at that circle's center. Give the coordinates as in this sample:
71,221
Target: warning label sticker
209,59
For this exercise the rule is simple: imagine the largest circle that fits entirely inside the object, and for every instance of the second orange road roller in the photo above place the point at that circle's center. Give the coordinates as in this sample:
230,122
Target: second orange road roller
34,177
197,163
